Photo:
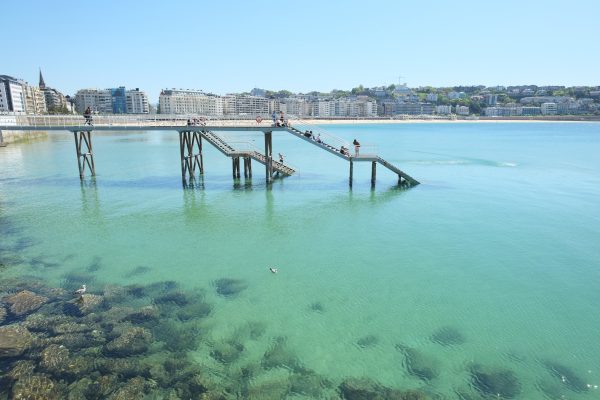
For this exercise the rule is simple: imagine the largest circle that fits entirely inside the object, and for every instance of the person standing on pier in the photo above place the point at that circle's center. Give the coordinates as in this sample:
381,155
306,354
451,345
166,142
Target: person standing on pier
281,158
356,147
87,114
274,115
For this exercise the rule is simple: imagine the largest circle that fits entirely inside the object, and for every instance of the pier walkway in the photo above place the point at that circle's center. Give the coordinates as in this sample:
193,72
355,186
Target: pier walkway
211,130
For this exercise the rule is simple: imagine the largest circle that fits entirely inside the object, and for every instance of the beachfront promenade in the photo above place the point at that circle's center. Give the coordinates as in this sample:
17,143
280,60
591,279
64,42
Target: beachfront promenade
193,129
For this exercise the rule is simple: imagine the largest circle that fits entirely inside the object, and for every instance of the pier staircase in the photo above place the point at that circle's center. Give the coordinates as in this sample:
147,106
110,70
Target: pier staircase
245,149
333,144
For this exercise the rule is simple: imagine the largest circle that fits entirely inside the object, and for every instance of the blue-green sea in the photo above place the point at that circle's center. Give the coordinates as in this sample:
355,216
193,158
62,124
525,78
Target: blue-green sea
493,261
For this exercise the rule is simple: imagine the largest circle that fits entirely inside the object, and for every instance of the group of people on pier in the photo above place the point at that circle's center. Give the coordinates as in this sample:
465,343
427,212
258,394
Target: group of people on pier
343,149
196,122
279,121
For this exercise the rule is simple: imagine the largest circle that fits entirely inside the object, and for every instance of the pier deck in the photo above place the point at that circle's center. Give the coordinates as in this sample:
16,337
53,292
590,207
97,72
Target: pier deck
191,136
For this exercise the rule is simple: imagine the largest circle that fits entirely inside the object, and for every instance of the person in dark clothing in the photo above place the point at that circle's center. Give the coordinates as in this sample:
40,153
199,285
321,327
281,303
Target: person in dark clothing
87,114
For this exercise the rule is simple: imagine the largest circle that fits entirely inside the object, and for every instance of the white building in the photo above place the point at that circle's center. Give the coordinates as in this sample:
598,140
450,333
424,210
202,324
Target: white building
12,95
432,97
35,100
462,110
137,102
190,102
293,106
109,101
444,110
549,108
98,100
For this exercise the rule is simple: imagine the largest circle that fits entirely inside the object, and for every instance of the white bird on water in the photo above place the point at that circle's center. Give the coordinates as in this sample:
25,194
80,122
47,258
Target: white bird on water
273,270
81,290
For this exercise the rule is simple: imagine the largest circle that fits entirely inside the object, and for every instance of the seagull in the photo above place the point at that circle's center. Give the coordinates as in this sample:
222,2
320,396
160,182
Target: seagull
81,290
273,270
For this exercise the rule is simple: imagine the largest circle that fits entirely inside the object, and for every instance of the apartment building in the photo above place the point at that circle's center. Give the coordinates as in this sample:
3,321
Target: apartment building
12,95
112,101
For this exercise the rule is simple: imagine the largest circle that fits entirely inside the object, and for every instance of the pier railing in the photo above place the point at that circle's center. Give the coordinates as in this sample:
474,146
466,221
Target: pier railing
320,133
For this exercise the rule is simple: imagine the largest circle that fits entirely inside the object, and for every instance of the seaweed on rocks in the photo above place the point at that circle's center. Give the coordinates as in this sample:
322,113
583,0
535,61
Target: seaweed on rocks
37,387
567,376
131,342
230,287
448,336
419,364
2,314
497,382
15,340
24,302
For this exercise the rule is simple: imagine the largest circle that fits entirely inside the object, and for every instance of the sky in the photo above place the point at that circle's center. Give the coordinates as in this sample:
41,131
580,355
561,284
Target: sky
229,46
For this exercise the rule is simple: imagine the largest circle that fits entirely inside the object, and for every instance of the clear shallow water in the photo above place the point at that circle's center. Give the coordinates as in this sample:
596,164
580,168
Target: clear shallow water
500,242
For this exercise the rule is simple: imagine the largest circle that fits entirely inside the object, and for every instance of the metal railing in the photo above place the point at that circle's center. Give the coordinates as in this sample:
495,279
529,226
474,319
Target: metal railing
320,135
139,120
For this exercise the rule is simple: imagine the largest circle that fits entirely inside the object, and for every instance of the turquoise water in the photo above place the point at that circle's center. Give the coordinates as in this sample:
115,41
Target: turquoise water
500,243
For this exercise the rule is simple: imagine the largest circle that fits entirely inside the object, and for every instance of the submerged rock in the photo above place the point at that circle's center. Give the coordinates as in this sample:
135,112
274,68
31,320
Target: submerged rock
362,389
227,352
131,342
14,341
418,364
448,336
366,389
177,337
139,270
367,341
567,376
21,369
230,287
495,382
317,307
37,387
279,356
55,359
25,302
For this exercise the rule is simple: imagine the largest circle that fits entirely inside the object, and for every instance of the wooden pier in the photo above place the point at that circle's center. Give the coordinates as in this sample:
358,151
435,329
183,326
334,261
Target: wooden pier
193,136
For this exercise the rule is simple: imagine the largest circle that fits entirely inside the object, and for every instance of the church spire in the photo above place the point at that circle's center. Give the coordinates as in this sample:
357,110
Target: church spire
42,84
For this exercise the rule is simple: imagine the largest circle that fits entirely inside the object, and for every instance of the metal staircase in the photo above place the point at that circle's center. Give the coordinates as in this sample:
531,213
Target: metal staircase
334,144
228,150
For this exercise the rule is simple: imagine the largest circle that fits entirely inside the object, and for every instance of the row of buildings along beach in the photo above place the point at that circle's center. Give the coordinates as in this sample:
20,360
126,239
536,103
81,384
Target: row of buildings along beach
17,96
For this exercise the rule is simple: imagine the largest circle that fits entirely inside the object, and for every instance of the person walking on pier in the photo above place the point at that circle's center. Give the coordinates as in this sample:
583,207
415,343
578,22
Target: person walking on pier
356,147
87,114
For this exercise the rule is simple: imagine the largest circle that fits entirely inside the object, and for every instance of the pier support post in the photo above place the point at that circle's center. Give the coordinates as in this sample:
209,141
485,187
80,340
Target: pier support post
2,144
235,162
85,154
269,156
351,172
190,161
373,173
247,167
